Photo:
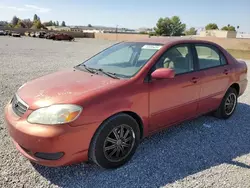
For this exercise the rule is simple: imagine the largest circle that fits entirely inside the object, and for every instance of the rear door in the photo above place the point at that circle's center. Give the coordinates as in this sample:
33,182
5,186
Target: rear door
216,79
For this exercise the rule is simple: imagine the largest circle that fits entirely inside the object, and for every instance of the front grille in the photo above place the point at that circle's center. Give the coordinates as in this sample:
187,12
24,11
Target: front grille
18,106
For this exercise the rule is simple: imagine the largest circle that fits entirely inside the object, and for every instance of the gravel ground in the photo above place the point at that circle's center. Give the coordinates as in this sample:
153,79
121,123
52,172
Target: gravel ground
205,152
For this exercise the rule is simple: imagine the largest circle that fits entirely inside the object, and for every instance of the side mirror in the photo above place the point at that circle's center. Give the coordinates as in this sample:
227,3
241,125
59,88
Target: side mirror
163,73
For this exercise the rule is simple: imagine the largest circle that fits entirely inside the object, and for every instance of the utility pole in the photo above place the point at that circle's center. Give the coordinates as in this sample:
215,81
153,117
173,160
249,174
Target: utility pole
116,30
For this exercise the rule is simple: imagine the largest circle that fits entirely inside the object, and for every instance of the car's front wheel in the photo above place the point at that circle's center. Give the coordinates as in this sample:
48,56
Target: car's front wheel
115,141
228,104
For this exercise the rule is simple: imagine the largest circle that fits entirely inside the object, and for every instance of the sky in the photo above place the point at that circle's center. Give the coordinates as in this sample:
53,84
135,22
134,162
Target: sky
131,13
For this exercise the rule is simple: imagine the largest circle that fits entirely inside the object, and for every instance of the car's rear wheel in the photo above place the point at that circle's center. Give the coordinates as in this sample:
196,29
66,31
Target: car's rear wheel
228,104
115,141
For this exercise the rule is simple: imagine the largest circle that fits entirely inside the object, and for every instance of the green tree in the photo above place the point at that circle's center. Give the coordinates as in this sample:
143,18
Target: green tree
3,23
20,24
152,34
35,18
63,24
50,23
231,28
211,26
14,21
27,23
89,25
143,33
225,28
228,28
170,26
37,24
10,25
57,23
191,31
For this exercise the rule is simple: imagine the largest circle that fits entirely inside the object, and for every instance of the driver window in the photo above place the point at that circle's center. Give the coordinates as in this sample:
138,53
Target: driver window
178,58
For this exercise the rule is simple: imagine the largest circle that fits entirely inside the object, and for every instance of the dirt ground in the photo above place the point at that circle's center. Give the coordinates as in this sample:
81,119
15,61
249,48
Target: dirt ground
228,43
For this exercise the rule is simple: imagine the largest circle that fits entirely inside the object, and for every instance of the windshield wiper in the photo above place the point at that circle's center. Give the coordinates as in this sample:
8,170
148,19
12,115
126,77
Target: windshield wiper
86,68
95,71
113,75
91,70
110,74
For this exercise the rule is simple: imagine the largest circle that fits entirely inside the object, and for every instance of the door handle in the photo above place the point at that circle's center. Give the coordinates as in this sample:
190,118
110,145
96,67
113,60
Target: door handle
226,72
194,80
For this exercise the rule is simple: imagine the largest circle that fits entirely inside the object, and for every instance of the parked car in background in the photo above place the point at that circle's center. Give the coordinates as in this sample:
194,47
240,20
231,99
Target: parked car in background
63,36
2,32
27,33
32,34
50,35
37,34
40,34
8,32
100,110
15,34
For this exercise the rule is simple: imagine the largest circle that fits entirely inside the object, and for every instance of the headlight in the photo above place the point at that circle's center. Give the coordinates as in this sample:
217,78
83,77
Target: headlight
55,114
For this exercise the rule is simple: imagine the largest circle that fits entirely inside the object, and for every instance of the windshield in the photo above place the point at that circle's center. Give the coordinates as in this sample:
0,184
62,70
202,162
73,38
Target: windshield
123,59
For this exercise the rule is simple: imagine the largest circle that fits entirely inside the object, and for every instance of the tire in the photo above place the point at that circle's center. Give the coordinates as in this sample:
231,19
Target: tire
223,112
99,152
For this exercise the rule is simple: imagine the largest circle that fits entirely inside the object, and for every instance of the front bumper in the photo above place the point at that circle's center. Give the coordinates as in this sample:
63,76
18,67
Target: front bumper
32,139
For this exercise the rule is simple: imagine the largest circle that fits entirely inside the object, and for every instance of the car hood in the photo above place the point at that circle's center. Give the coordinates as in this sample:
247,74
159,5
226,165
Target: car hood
64,87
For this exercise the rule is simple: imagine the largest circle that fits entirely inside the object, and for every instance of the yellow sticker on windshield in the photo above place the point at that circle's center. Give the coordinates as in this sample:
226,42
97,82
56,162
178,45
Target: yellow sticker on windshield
152,47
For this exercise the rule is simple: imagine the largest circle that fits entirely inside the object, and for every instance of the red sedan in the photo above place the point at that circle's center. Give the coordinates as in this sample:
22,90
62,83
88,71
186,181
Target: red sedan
63,36
102,108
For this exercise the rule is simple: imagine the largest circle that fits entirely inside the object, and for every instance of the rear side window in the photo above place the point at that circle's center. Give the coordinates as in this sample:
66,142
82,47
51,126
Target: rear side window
208,57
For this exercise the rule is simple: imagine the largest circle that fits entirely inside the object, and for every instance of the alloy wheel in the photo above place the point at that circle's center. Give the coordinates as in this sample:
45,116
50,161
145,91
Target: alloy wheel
119,143
230,103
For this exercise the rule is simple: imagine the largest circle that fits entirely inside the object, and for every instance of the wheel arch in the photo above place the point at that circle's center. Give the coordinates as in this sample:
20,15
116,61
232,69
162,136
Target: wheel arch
236,86
134,115
138,120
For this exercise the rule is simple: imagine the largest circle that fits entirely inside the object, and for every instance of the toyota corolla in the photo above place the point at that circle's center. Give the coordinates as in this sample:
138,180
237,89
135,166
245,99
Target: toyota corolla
100,110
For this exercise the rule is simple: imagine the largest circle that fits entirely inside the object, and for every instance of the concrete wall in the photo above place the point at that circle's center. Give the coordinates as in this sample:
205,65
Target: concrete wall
218,33
92,31
231,34
120,36
58,28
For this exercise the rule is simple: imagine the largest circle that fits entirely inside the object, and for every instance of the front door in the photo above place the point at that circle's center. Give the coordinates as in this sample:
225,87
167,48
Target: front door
174,100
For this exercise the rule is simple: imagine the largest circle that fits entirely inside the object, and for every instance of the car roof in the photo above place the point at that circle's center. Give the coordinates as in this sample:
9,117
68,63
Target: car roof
170,40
